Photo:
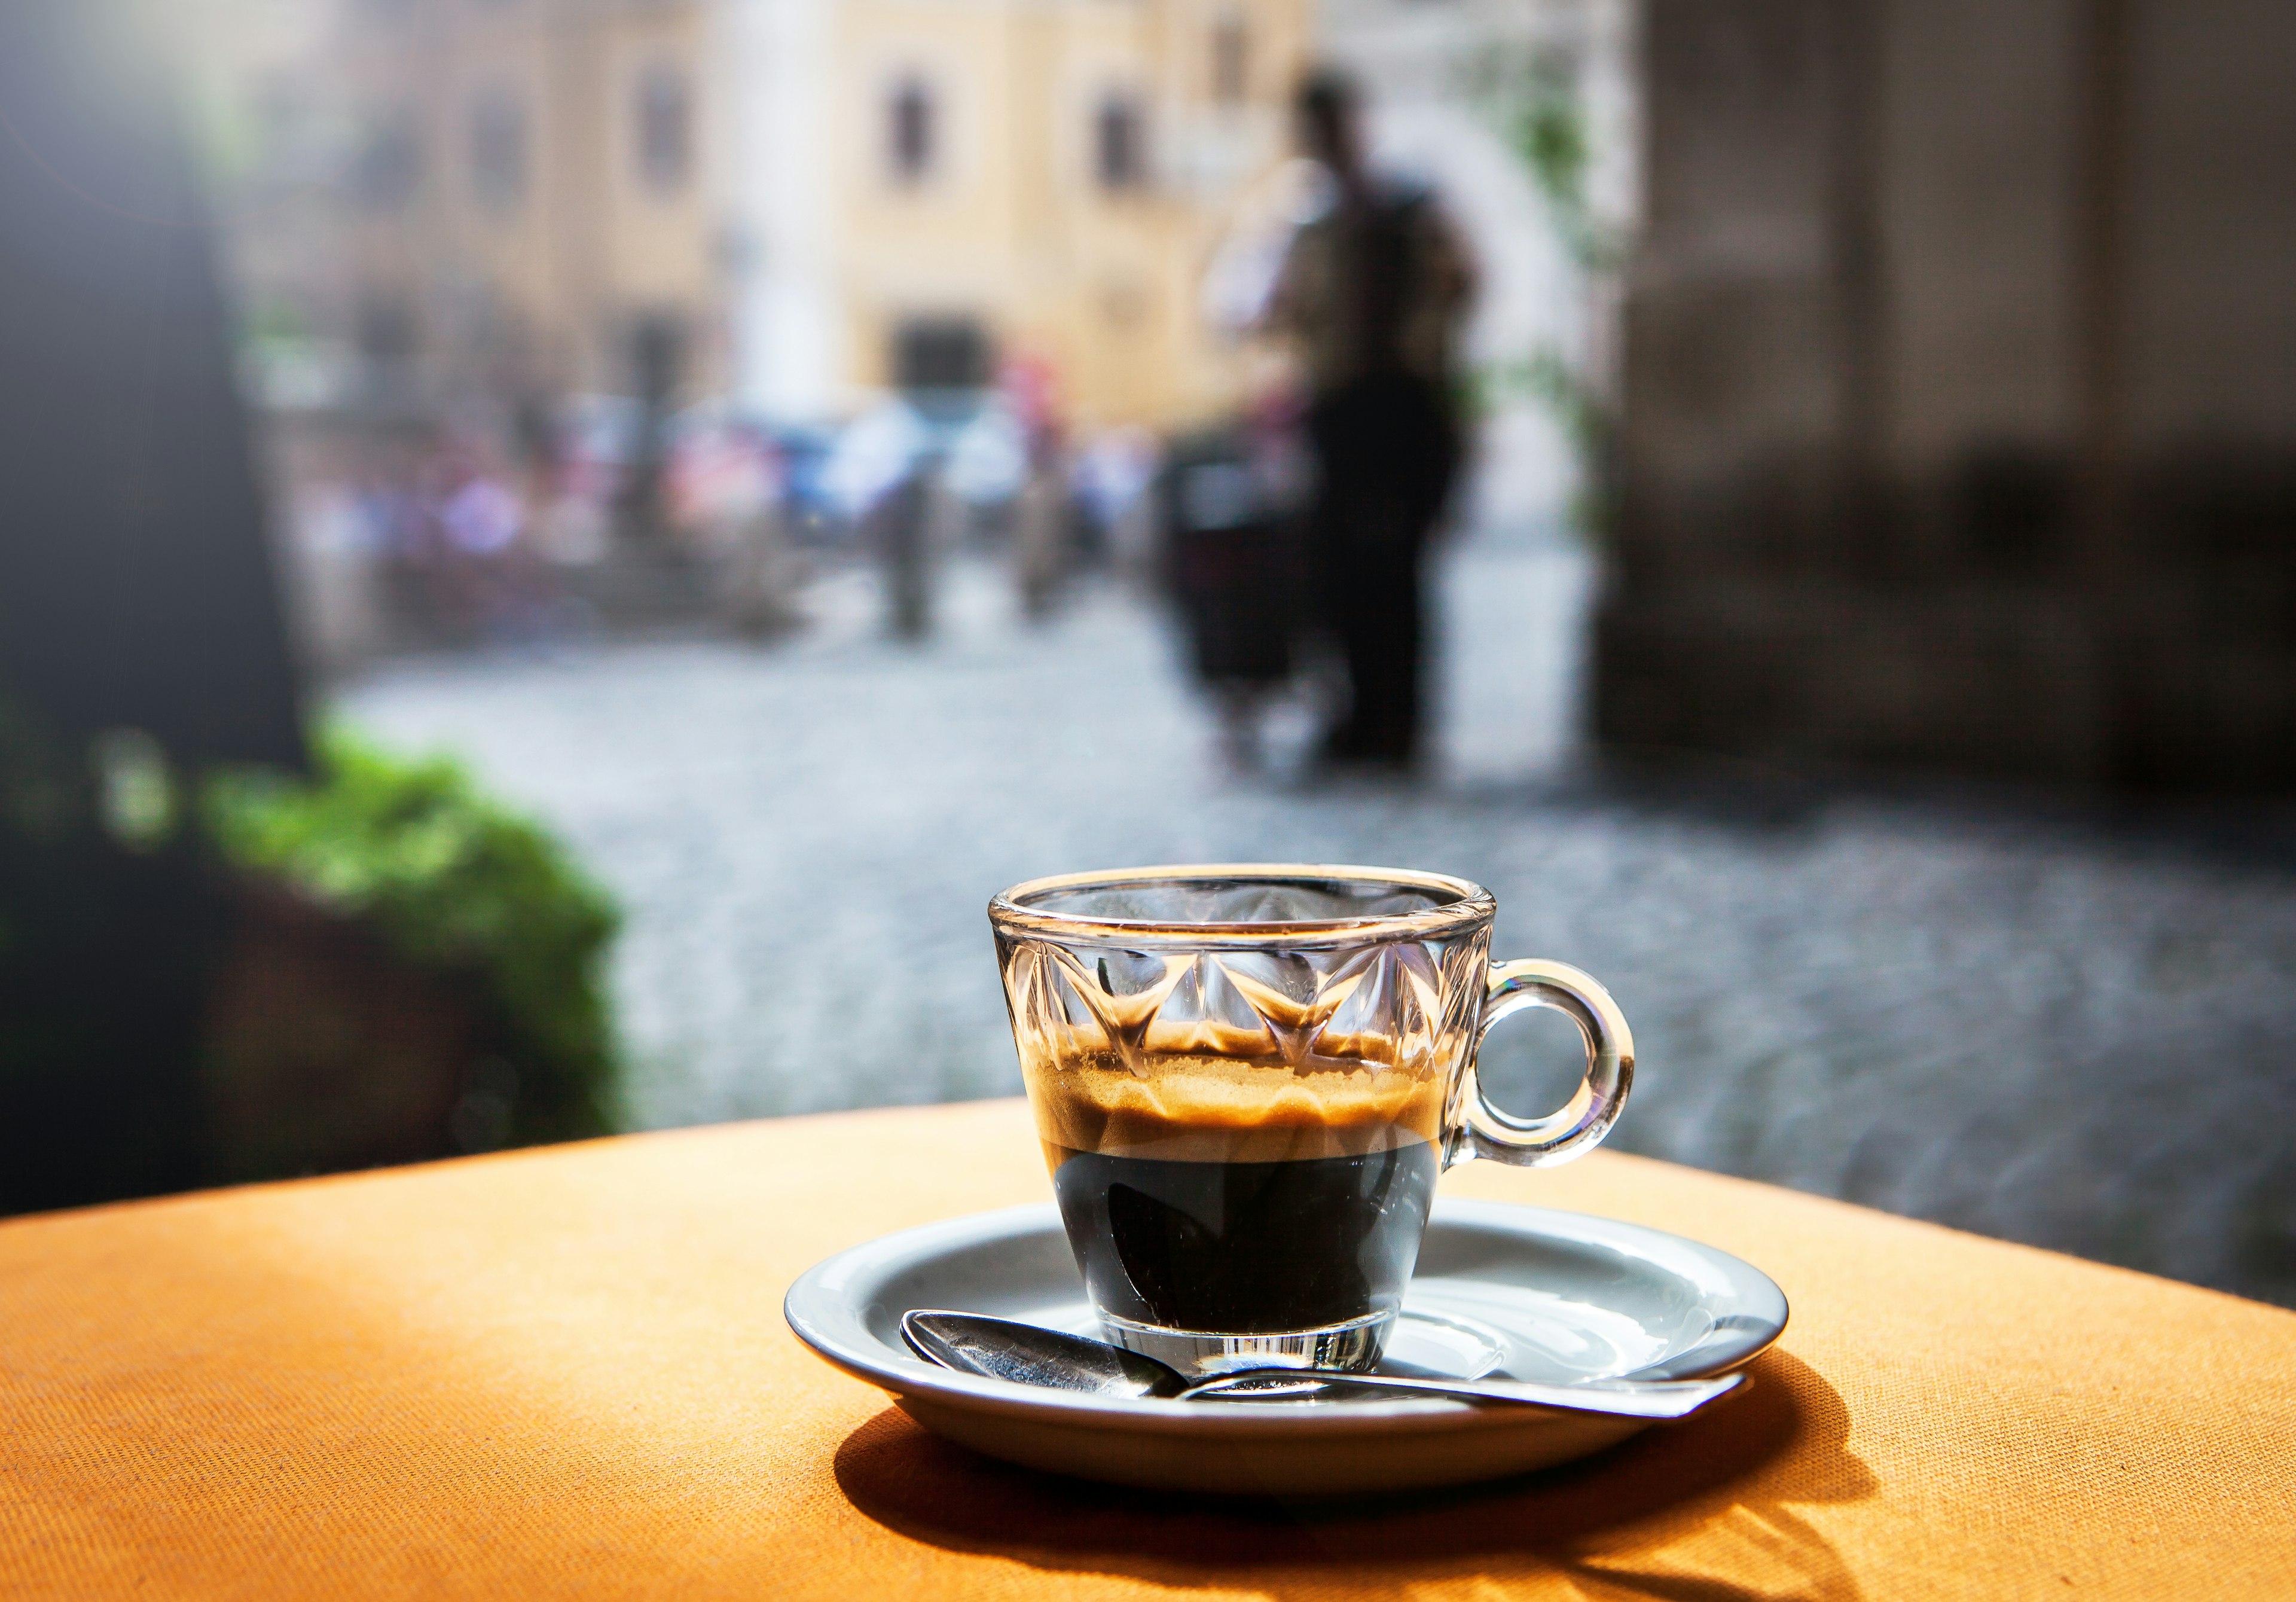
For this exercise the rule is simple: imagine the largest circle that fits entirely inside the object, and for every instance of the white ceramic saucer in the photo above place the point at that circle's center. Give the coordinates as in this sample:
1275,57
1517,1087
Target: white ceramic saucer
1501,1290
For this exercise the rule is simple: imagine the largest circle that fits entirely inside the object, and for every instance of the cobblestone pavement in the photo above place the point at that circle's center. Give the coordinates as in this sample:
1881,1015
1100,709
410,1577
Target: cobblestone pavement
2015,1019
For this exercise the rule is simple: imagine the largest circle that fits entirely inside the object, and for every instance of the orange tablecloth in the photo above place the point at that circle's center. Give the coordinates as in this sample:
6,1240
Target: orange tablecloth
566,1372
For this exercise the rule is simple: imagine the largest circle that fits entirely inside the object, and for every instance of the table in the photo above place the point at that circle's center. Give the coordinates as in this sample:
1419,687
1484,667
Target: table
566,1372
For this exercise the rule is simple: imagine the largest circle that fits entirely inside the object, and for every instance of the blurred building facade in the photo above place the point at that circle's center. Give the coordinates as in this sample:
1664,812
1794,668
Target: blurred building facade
449,197
928,184
790,203
1959,391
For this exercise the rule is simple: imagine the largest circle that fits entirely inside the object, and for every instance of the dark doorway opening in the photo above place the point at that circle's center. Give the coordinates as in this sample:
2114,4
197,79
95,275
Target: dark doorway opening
940,353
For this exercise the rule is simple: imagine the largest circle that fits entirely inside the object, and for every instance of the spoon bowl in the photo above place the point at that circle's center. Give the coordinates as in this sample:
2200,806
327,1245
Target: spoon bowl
1028,1354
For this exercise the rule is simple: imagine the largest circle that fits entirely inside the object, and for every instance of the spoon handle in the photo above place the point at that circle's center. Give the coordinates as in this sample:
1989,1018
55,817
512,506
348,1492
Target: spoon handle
1623,1398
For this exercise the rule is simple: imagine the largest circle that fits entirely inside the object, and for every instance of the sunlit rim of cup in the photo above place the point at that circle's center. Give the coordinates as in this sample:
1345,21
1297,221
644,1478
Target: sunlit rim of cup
1460,906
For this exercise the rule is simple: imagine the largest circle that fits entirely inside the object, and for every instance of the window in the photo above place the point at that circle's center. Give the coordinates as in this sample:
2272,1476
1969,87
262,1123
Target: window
1120,143
910,133
664,129
499,149
1231,61
389,165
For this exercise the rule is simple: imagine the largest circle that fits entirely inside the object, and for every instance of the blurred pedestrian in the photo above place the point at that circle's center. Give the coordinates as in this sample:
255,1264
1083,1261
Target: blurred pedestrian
1042,524
1109,483
480,546
750,511
1373,291
1043,512
900,525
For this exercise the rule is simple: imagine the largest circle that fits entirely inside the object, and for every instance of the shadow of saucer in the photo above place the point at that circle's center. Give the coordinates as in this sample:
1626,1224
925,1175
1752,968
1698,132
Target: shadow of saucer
1693,1510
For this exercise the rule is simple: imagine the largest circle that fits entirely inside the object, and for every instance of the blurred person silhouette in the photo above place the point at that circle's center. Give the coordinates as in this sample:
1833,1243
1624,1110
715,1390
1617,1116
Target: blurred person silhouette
1372,291
749,500
900,525
1043,513
879,473
471,558
1043,523
1110,483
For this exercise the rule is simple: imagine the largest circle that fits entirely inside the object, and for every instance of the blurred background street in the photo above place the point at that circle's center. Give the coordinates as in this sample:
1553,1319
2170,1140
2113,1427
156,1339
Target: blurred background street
2027,1019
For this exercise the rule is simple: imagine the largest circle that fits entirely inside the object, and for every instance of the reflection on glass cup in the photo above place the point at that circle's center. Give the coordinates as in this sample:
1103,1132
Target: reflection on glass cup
1247,1079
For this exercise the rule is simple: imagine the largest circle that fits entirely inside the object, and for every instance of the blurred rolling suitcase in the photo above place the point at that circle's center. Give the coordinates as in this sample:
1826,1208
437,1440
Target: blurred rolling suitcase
1232,559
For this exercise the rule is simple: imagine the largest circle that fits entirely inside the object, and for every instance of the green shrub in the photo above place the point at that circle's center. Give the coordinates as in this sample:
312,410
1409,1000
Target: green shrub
450,881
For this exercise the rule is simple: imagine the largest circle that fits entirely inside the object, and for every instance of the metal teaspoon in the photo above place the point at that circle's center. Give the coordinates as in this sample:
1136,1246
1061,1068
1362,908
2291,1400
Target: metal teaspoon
1029,1355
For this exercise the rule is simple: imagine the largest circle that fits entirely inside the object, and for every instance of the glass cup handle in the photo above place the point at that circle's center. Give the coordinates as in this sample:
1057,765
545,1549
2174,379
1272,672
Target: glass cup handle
1583,1119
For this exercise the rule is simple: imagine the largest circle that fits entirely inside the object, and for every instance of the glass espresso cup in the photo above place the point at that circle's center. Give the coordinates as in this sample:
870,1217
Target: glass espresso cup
1247,1078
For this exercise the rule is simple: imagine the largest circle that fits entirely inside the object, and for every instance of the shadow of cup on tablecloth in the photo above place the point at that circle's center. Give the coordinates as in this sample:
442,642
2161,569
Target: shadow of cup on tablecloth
1698,1510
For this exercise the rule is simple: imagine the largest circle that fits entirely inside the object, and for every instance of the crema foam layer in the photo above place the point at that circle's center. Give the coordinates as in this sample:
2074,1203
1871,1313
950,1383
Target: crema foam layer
1201,1108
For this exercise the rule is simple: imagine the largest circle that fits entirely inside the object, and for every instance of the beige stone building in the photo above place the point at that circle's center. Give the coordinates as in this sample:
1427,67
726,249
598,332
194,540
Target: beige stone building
942,182
1049,180
794,203
529,203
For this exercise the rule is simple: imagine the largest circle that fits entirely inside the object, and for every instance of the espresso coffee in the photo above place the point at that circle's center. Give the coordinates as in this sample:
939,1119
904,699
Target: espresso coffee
1248,1248
1241,1196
